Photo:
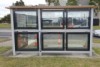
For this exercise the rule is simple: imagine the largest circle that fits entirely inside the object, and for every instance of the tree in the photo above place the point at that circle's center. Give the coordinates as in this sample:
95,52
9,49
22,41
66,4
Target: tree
71,2
92,2
5,19
56,2
50,1
19,3
95,3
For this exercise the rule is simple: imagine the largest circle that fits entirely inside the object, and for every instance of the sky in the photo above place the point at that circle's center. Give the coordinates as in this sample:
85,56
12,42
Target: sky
6,3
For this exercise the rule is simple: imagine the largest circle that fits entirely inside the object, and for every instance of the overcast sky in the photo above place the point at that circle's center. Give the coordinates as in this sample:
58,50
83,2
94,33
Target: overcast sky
6,3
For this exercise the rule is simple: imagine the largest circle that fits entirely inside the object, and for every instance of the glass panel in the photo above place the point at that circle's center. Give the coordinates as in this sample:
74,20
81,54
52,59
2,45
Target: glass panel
53,41
77,41
26,18
27,41
52,19
78,19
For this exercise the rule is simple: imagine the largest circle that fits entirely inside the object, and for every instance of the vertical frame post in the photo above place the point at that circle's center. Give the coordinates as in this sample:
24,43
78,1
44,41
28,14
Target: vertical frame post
12,28
39,28
91,32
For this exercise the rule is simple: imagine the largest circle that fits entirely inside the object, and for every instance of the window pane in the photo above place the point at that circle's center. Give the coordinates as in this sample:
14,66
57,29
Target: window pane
52,19
77,19
53,41
27,41
78,41
26,18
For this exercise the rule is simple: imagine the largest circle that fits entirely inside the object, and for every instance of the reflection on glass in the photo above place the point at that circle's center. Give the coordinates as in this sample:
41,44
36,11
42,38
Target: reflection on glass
77,41
78,19
52,19
52,41
26,18
27,41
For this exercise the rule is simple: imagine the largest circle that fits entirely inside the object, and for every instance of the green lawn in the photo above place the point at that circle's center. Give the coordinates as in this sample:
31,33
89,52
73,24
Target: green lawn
97,50
96,40
96,27
4,39
4,49
48,61
5,26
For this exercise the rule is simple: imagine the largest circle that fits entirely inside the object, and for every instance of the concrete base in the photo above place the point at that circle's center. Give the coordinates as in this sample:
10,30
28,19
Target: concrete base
71,55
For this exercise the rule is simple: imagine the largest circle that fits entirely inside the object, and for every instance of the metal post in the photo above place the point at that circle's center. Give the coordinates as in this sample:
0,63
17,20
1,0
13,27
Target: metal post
13,36
91,32
39,26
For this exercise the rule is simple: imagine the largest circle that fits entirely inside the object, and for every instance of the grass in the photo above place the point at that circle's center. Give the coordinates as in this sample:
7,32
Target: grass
4,49
5,26
97,50
96,40
48,62
96,27
4,39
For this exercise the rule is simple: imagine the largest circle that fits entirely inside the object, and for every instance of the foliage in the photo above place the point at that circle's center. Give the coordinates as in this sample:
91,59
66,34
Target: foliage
95,3
71,2
92,2
5,19
49,1
56,2
19,3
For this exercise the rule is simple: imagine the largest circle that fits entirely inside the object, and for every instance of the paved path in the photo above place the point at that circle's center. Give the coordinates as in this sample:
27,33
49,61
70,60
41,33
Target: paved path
7,43
5,33
96,45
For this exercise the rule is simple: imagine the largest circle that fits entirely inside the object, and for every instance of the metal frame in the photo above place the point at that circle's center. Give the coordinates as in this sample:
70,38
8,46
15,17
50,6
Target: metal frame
40,30
13,36
52,49
78,49
91,32
39,23
29,49
15,21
